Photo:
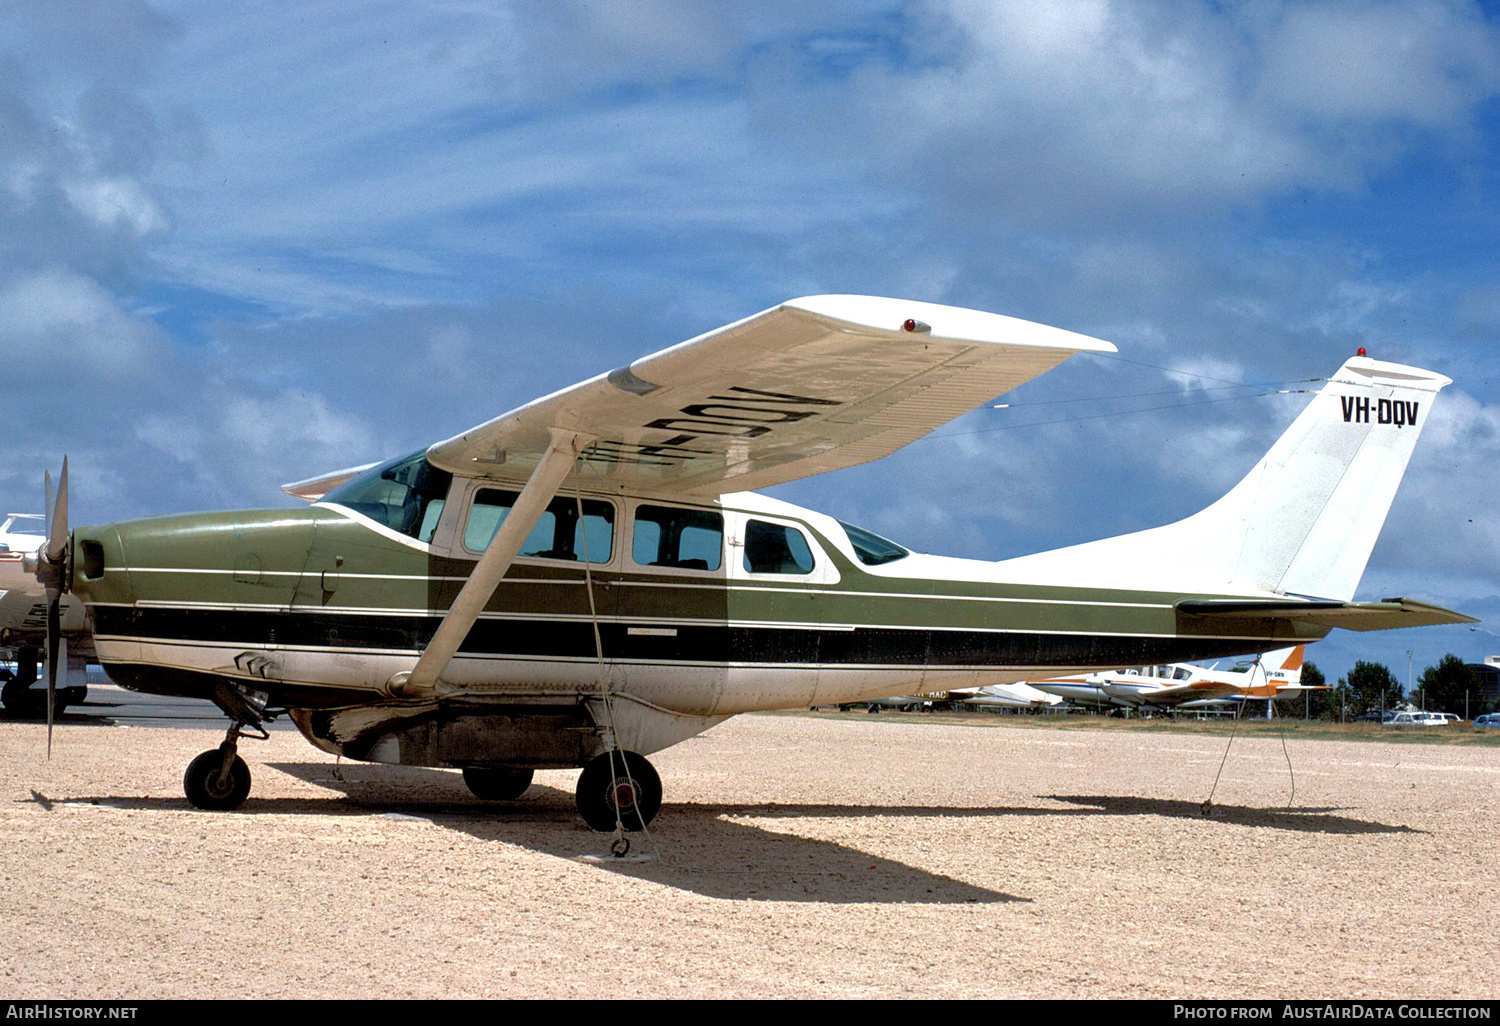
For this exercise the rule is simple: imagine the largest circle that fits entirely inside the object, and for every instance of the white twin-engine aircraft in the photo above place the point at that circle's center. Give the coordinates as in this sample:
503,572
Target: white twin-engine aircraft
586,579
23,626
1180,685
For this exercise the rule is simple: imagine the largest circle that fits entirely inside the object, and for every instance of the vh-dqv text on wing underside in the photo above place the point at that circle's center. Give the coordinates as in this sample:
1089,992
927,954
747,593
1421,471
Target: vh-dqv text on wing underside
812,385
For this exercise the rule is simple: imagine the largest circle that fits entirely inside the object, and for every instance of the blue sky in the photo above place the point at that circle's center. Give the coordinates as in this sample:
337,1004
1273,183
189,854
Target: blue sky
241,245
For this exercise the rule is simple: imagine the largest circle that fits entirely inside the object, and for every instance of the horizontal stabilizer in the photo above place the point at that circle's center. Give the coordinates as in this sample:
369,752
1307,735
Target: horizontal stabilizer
1385,615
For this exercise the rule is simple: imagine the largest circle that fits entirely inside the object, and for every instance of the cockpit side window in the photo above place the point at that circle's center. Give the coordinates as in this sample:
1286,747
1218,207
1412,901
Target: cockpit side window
776,549
872,549
558,534
405,494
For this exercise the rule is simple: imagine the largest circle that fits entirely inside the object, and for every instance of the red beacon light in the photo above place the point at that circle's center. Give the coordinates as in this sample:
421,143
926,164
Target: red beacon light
1360,351
912,324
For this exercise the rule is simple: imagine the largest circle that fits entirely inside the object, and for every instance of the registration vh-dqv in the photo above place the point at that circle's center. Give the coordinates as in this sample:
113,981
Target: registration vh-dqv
589,579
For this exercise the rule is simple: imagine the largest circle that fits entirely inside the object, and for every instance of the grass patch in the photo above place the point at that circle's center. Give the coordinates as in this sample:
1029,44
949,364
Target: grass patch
1312,730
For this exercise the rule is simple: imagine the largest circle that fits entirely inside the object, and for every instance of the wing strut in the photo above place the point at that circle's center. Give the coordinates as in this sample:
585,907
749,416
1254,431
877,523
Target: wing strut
540,489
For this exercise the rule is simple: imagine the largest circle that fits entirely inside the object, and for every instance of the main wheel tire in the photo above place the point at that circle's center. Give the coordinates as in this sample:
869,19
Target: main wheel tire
16,697
207,788
29,703
497,785
620,782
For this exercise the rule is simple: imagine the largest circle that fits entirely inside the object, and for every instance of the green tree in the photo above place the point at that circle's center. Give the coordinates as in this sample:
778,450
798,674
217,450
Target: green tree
1443,686
1370,686
1319,705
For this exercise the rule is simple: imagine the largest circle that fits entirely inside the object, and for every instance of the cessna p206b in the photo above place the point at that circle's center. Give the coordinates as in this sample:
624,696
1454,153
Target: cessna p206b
583,581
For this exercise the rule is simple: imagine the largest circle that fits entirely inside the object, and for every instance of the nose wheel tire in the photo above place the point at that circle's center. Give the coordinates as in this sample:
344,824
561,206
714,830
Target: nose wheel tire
208,787
630,787
497,785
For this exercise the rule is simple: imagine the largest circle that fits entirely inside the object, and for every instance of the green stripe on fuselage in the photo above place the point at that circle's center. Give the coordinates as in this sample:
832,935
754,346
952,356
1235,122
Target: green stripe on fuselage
318,558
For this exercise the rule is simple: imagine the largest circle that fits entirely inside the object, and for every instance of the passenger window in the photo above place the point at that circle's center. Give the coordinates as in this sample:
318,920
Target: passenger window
559,534
689,539
774,549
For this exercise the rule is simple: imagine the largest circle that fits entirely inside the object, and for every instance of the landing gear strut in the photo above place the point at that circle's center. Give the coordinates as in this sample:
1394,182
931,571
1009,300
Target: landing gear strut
618,783
218,780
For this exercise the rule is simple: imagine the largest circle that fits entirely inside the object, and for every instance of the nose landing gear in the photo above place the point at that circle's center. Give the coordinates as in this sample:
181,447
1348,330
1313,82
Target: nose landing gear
218,780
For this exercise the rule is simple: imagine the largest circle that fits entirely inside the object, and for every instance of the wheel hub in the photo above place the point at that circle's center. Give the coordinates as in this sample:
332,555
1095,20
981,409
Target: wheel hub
625,795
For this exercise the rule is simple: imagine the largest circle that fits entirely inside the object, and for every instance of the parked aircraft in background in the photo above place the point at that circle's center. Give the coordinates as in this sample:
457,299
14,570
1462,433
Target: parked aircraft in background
580,581
1275,674
23,626
1005,696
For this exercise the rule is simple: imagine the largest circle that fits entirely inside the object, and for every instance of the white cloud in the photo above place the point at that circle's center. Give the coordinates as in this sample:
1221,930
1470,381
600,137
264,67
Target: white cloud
55,322
117,203
1427,63
1445,522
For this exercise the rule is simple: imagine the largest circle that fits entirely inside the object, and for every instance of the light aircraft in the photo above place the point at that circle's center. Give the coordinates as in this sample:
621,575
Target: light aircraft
586,579
1005,696
23,625
1273,675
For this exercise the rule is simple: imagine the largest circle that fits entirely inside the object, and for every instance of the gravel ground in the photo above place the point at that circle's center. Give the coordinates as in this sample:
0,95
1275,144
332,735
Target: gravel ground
799,856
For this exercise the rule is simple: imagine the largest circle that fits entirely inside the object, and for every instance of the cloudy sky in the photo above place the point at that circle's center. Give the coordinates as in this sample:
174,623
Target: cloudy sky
245,244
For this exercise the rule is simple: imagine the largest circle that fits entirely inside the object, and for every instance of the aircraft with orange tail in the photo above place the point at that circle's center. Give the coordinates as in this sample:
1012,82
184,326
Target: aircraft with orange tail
1274,675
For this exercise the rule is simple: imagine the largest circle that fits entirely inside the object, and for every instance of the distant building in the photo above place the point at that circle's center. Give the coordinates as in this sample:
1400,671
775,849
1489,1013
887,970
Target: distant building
1489,676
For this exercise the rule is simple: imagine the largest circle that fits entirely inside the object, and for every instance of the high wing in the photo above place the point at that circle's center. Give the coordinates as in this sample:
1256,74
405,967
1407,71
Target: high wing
812,385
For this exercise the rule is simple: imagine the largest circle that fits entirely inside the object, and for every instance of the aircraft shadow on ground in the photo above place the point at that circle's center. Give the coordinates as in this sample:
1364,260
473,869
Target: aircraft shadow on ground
102,714
707,848
701,851
1303,819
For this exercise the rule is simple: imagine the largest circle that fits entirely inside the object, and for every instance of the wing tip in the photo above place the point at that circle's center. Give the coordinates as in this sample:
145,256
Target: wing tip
955,323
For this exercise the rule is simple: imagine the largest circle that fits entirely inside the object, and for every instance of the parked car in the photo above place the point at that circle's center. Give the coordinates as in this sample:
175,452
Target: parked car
1488,720
1417,719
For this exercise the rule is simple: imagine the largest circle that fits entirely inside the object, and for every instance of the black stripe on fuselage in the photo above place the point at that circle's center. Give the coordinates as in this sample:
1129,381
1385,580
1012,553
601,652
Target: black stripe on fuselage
688,643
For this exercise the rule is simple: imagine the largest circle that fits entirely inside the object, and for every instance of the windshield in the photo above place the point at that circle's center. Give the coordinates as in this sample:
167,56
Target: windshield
405,494
872,549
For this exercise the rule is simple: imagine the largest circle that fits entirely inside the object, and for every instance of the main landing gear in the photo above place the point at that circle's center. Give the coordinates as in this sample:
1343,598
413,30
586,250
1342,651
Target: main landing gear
23,700
618,788
497,785
218,780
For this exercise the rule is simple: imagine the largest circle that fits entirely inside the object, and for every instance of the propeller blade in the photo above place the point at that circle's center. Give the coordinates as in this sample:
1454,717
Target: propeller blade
54,633
47,503
57,521
54,575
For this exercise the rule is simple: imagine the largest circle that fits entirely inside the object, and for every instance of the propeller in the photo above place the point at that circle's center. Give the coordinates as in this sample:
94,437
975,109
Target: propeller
51,571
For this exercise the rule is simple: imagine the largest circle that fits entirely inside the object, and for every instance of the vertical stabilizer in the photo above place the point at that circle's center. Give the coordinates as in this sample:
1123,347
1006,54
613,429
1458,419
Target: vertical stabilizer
1285,664
1308,515
1302,522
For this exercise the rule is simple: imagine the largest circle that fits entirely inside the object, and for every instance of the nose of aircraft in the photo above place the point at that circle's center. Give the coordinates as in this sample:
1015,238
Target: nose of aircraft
100,572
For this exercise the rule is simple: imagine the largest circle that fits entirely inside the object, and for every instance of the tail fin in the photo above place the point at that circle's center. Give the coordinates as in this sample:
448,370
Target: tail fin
1303,521
1284,665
